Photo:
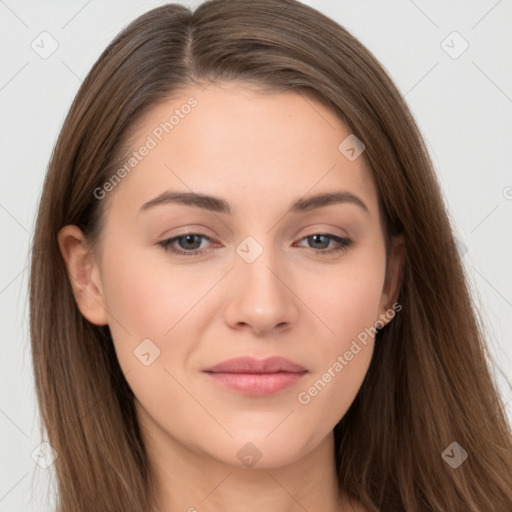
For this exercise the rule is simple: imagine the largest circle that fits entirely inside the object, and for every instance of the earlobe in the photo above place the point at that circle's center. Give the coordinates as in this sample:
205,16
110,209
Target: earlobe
83,274
393,280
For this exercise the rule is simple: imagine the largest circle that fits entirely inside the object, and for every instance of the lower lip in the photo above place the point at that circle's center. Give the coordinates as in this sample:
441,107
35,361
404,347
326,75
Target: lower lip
257,384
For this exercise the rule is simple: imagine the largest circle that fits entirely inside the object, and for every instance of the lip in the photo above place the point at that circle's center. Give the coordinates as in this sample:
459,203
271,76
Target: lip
252,365
256,377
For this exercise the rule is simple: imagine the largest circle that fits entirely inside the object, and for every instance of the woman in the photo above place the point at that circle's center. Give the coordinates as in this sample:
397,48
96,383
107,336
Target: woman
260,301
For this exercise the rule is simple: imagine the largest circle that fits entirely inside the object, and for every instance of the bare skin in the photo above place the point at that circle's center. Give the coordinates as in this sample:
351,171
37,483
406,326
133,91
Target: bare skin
260,153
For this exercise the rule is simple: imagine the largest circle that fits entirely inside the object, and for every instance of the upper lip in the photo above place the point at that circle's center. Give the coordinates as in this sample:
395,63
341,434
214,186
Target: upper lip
253,365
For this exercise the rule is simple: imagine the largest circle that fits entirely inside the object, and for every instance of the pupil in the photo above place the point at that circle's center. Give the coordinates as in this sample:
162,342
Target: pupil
316,239
190,239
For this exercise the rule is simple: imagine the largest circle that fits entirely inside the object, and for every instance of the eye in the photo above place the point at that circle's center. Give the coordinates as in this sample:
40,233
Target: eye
189,243
321,242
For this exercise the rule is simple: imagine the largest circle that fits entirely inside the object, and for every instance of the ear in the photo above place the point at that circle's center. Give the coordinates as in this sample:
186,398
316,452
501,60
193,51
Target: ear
83,274
393,279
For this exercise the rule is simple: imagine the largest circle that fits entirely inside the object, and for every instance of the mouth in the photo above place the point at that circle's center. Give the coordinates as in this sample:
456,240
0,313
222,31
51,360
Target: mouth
255,377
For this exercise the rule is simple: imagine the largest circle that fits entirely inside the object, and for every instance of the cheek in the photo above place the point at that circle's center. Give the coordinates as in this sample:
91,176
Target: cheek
348,300
148,304
344,357
144,301
157,314
348,304
146,293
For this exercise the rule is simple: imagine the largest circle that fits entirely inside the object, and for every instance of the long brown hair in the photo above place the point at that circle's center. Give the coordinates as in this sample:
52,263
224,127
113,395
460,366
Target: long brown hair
429,382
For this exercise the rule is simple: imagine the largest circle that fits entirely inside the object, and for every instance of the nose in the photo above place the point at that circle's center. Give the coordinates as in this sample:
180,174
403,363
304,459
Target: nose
263,299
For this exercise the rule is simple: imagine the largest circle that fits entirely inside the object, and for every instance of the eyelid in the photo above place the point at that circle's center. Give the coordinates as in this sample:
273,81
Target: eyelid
187,229
316,230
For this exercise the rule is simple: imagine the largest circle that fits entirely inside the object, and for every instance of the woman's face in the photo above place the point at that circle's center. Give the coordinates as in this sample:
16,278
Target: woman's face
263,279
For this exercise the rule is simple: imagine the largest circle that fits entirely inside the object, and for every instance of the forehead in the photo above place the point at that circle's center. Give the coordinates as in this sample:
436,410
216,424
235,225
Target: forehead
250,147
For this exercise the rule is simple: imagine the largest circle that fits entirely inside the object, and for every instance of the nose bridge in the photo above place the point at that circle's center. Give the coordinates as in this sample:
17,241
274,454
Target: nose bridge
257,267
260,297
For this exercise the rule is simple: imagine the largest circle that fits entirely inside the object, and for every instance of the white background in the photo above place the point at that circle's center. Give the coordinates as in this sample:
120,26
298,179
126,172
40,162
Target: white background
463,107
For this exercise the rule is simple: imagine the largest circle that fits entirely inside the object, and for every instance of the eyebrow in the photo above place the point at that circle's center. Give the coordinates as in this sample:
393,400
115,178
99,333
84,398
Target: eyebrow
218,205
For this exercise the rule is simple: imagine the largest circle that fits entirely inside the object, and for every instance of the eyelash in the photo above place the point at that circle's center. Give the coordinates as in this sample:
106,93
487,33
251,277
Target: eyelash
167,244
